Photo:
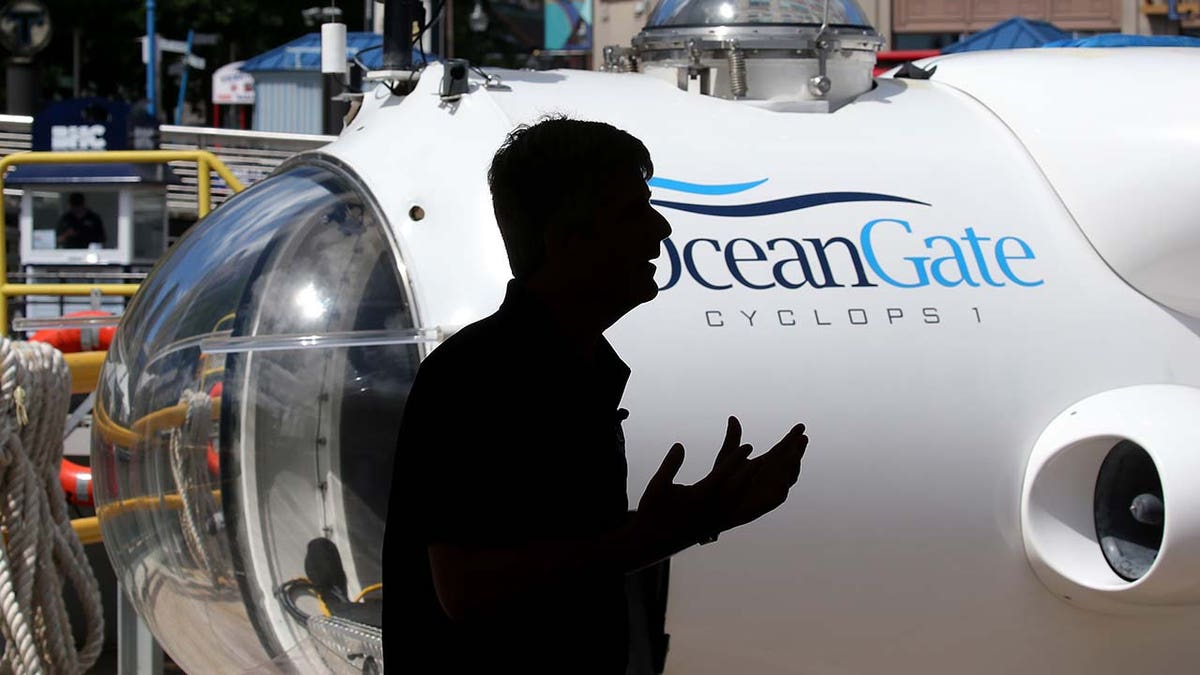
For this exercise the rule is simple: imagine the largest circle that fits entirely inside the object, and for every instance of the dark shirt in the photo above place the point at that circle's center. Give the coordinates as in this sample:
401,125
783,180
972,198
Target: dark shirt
80,230
510,436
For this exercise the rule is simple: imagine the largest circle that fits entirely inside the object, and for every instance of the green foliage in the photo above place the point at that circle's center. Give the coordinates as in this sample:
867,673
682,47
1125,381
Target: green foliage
110,57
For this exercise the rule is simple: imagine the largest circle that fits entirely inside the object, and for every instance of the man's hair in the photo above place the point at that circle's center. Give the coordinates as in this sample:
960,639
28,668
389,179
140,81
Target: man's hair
552,174
76,199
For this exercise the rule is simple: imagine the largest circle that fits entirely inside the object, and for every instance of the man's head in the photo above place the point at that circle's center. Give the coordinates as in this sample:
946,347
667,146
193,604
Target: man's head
572,203
77,201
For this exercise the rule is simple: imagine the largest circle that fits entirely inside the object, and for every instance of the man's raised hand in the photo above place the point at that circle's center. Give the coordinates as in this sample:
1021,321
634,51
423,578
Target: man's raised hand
737,490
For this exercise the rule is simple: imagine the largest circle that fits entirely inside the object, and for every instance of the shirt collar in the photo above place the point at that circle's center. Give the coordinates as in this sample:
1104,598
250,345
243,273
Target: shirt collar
605,371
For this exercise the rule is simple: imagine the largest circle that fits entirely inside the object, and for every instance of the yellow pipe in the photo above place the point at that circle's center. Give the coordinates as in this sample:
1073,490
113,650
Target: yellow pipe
165,418
125,156
203,188
169,501
368,590
111,431
85,370
8,290
169,418
223,171
88,530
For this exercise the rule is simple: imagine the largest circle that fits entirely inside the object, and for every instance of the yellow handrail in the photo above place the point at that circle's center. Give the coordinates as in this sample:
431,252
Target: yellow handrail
85,370
163,501
159,420
205,162
88,529
169,418
110,431
67,289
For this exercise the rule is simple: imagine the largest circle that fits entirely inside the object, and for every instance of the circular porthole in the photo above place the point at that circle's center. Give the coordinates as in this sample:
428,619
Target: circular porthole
1097,487
1129,510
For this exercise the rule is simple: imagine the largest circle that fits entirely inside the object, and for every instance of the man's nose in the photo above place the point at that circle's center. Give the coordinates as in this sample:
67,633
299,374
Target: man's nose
664,226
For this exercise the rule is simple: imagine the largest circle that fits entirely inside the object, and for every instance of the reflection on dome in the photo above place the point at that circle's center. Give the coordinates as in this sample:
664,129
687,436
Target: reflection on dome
780,55
680,13
218,473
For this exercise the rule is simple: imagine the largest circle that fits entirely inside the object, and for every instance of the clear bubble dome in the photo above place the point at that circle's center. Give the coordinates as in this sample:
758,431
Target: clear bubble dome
687,13
215,470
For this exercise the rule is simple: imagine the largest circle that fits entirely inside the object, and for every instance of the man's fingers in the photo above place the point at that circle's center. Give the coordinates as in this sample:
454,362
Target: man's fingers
667,471
787,455
794,466
732,442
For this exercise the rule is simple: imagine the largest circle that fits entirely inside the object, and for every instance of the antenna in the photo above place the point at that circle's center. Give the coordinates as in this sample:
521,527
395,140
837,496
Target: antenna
397,35
819,85
397,68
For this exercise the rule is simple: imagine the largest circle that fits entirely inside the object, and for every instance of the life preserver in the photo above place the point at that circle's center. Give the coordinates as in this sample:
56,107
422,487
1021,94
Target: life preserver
213,459
76,482
74,340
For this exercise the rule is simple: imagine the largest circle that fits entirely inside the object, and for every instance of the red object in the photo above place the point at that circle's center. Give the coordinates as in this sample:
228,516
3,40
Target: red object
214,460
71,340
885,61
76,482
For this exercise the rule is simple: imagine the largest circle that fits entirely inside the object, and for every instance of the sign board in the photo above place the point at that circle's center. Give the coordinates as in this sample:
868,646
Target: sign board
568,25
205,39
162,44
231,86
93,124
25,27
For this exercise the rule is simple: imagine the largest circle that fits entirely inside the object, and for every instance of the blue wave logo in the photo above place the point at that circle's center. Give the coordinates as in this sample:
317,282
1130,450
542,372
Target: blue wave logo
766,208
698,189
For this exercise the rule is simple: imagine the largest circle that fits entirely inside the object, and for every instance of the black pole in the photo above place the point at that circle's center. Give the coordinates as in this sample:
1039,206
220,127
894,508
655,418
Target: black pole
333,84
21,86
397,35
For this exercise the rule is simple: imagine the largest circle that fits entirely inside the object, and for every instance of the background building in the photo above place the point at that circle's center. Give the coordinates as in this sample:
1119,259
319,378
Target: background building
931,24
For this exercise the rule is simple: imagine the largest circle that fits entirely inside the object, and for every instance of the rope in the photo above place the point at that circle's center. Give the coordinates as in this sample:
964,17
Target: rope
41,551
189,454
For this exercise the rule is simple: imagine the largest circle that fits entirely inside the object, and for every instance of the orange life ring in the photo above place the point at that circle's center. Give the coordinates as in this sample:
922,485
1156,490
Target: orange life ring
213,459
76,482
74,340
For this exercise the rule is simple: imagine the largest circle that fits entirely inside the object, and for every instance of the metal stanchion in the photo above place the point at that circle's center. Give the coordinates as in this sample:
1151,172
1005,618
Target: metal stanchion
137,651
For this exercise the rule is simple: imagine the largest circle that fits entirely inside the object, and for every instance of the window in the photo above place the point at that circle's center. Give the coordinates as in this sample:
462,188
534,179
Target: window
276,448
74,219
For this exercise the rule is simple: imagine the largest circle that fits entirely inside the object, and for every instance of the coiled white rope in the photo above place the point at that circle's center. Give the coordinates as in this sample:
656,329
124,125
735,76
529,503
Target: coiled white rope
41,549
189,448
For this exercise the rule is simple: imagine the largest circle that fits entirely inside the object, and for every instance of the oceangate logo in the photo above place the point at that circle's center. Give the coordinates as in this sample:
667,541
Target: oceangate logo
884,251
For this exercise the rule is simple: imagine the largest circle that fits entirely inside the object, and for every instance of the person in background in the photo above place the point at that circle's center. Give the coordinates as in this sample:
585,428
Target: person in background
80,227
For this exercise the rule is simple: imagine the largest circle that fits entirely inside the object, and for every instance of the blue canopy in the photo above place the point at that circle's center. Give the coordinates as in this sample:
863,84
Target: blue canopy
1122,40
1015,33
304,54
94,174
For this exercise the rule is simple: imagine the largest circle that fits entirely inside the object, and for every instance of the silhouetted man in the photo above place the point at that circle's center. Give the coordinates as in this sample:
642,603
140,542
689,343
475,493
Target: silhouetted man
509,535
79,226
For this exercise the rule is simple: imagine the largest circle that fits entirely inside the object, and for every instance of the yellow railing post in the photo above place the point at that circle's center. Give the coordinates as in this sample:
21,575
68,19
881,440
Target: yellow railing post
4,258
205,163
88,530
203,188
